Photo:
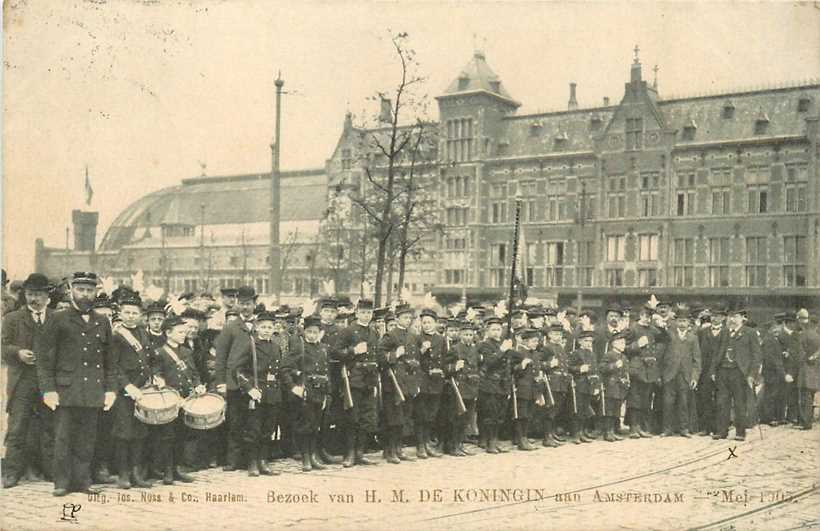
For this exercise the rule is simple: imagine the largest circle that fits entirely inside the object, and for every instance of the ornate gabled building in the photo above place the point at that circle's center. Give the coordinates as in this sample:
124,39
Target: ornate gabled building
698,198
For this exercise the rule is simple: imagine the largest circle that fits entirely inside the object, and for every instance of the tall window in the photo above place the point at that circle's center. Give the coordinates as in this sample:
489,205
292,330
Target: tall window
796,187
458,186
718,262
498,263
684,262
556,207
456,216
586,203
758,199
685,205
498,203
586,262
794,261
346,161
616,196
649,193
634,130
454,276
554,263
756,261
460,139
528,193
614,277
529,274
721,181
615,247
647,277
647,247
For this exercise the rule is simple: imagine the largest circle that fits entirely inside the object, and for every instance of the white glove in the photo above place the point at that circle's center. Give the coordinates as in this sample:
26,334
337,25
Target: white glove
584,368
26,356
159,381
361,348
200,390
109,400
222,389
506,345
459,365
400,351
298,390
133,392
619,364
256,394
425,346
525,362
554,362
51,400
789,378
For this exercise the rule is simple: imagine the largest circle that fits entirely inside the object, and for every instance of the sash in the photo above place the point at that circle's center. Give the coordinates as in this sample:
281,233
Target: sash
180,364
129,338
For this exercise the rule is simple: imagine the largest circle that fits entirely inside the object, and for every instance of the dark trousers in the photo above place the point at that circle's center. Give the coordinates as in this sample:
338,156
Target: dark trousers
426,408
104,449
705,398
74,441
362,417
41,439
731,393
491,408
676,403
774,398
236,413
21,410
791,398
260,424
806,401
173,439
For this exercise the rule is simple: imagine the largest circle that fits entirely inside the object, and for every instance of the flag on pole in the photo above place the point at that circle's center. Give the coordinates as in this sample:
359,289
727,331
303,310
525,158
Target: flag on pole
89,192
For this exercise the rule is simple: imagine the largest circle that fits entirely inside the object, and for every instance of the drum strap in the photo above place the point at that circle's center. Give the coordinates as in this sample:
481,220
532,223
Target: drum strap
129,338
180,364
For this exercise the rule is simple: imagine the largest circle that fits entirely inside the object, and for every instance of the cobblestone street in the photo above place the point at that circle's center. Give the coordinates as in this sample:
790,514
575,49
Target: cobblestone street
660,483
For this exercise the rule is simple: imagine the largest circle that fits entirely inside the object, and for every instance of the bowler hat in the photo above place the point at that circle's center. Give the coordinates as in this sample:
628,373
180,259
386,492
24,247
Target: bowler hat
37,282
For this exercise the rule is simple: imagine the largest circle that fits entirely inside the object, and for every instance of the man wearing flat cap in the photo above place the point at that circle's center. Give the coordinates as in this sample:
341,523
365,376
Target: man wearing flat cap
78,380
22,334
781,362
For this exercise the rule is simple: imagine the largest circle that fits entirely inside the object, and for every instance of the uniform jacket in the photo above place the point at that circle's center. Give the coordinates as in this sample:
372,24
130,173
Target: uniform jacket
133,365
269,362
809,377
435,358
558,376
526,387
20,332
76,359
603,335
181,375
681,356
585,383
615,379
744,348
468,377
644,365
782,354
407,368
493,367
363,369
231,345
308,368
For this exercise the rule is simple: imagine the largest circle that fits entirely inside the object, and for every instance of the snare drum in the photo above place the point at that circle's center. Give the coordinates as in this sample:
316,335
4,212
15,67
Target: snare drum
204,412
157,406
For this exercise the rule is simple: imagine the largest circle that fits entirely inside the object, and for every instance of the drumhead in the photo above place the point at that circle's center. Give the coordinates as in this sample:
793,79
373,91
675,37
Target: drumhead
159,399
205,404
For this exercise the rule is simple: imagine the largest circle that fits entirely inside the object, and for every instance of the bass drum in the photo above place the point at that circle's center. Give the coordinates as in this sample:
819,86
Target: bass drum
204,412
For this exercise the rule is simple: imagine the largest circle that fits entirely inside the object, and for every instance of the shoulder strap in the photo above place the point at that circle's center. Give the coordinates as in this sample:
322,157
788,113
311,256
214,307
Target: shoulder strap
129,338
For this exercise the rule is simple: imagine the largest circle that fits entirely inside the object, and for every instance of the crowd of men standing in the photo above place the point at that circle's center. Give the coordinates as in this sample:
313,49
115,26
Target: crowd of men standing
349,378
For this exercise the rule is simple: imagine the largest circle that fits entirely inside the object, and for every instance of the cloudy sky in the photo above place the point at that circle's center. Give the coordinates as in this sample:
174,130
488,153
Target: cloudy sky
143,92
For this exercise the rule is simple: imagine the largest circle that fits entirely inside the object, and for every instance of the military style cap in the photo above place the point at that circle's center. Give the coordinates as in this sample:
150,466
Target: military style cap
312,320
266,316
365,304
556,327
228,292
529,332
426,312
102,301
327,302
193,313
155,307
131,300
492,320
171,322
246,292
84,277
187,296
586,334
379,313
588,312
623,334
615,308
402,309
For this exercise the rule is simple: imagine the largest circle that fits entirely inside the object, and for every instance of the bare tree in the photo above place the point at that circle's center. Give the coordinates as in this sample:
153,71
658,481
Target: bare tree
288,249
385,149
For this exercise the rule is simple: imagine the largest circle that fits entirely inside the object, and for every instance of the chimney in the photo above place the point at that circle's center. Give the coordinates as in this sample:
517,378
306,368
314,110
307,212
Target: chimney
85,230
573,103
606,101
386,112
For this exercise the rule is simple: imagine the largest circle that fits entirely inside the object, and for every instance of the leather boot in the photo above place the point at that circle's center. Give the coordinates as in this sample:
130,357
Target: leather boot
523,440
605,427
640,421
616,422
359,456
350,448
321,453
634,425
181,476
432,451
421,450
315,461
398,447
168,477
582,432
123,473
253,464
390,448
103,476
266,470
304,447
548,441
138,481
482,438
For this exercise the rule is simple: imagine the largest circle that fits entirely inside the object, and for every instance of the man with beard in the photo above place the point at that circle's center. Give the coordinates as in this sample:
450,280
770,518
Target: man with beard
734,370
356,351
710,339
77,378
680,371
22,332
231,345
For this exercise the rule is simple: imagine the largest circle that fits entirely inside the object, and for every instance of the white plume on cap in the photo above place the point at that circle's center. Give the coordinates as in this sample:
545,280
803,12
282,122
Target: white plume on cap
153,292
328,287
653,301
367,289
175,305
108,285
308,308
137,281
429,301
500,309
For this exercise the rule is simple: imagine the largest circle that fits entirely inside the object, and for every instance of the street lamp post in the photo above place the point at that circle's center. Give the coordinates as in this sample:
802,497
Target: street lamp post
275,273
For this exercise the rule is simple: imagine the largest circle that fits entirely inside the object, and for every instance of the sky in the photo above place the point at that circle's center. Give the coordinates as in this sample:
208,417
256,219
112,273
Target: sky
144,93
